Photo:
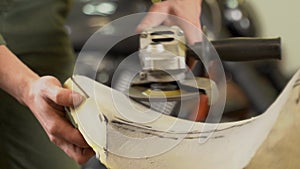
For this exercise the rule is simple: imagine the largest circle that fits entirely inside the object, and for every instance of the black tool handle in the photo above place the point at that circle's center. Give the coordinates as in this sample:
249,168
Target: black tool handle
242,49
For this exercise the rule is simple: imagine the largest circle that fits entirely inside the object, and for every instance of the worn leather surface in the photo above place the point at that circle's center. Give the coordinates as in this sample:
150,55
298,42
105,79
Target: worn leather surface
281,148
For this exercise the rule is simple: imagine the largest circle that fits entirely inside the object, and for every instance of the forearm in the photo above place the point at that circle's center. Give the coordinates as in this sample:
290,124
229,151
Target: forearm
15,77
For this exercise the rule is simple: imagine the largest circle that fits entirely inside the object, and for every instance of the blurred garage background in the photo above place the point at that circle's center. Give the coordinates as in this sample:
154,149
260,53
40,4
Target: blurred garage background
280,18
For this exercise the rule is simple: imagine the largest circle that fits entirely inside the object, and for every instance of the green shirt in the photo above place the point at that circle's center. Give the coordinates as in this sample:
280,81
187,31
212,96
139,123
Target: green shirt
34,25
2,42
35,31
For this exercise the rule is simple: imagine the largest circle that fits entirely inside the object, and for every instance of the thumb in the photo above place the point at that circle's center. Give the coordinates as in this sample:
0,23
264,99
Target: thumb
62,96
67,97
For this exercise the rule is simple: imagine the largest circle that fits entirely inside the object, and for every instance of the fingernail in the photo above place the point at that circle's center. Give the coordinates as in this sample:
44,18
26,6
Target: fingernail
140,28
77,98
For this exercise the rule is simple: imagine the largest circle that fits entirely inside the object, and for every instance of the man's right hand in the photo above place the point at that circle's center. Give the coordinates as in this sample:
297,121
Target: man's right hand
183,13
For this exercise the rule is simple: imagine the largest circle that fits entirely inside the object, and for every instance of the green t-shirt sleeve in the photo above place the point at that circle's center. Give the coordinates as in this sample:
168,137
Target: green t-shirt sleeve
2,41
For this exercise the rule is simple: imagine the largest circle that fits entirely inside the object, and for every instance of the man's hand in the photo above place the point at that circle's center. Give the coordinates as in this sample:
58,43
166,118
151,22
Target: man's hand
188,11
46,98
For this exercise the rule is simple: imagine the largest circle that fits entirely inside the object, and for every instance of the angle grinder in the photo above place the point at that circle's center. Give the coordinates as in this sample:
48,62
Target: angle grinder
165,76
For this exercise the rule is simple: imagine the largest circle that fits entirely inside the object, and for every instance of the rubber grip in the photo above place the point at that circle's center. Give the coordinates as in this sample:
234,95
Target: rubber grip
242,49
